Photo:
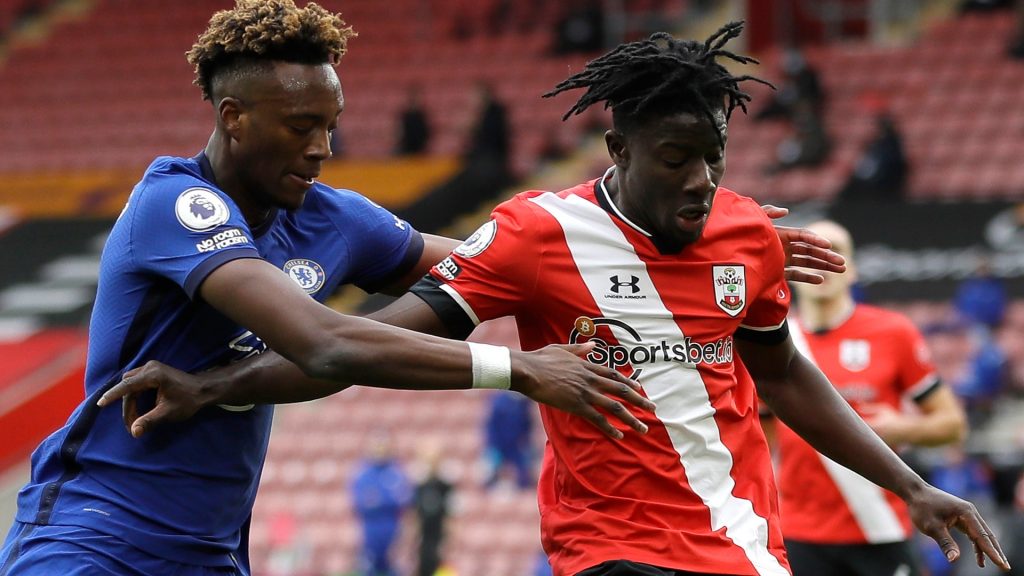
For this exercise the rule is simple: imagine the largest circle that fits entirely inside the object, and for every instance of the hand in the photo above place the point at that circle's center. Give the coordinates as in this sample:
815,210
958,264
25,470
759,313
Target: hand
805,249
556,375
934,512
179,395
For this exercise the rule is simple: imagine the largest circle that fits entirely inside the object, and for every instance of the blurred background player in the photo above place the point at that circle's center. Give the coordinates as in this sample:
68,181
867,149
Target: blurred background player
834,521
382,495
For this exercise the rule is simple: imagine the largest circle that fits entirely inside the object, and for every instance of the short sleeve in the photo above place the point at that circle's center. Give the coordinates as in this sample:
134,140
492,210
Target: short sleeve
383,247
182,229
917,374
765,321
494,271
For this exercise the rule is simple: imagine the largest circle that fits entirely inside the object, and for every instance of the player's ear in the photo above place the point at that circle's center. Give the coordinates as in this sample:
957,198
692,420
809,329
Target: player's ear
229,114
617,149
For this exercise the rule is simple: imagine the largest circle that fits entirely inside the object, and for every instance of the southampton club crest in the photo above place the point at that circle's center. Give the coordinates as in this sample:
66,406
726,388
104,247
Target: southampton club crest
730,287
307,274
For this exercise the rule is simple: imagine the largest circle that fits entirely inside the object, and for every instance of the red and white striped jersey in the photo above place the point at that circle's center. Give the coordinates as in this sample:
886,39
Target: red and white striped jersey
697,492
875,357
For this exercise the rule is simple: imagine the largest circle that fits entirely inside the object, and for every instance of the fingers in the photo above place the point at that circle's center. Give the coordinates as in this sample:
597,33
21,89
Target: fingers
601,422
774,211
793,235
129,384
946,544
620,412
797,275
816,257
613,382
147,421
985,543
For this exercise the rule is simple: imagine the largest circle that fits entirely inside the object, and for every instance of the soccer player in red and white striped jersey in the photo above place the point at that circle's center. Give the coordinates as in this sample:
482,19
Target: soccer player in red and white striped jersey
835,521
670,277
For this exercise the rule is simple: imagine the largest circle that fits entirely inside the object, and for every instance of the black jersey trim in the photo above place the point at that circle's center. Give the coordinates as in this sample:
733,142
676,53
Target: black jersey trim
6,563
925,389
199,273
454,318
68,455
767,337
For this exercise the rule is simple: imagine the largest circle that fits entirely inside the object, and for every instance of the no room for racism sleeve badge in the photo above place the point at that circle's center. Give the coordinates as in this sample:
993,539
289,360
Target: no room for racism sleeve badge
730,287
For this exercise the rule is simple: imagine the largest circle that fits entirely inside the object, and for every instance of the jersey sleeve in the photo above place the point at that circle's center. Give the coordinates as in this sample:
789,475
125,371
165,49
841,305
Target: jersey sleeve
917,374
491,274
765,321
382,246
183,230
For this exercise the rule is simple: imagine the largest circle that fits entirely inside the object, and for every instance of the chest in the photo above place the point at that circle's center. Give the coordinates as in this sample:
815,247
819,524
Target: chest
864,368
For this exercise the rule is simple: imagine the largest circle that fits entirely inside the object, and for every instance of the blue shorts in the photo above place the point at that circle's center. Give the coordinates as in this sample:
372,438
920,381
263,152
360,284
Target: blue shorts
35,550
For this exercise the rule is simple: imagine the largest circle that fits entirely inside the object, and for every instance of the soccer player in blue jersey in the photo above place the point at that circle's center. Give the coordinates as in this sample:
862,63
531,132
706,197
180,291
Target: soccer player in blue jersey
192,276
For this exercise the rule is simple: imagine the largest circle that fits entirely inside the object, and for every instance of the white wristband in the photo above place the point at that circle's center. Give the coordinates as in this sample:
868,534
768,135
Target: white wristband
492,366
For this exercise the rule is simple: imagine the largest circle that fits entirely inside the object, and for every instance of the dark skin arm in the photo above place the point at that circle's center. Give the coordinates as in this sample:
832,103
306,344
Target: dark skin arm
802,397
258,380
328,347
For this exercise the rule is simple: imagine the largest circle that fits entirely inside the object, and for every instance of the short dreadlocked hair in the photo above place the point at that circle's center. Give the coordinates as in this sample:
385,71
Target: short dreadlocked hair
660,76
260,31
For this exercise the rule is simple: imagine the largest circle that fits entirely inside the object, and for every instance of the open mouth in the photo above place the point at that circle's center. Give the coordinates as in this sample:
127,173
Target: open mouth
692,217
304,179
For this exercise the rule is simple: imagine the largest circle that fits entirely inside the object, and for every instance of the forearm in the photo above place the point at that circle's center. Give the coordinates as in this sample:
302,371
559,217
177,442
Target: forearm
806,402
929,429
271,379
265,379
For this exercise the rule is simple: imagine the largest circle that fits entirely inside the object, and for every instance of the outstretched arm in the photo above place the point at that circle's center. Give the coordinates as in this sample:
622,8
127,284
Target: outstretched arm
802,397
542,375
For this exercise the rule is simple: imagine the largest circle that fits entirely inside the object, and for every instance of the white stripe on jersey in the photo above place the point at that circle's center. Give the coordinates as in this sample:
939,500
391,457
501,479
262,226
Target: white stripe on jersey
677,388
462,303
865,500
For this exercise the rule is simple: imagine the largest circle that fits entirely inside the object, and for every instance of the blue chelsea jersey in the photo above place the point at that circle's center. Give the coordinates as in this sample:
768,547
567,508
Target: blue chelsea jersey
185,491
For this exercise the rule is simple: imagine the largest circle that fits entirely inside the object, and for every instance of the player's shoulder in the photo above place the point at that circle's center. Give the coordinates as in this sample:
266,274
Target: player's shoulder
173,175
176,186
739,206
529,202
738,217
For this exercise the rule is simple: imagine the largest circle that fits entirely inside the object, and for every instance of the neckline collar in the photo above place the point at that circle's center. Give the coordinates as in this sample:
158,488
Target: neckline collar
605,200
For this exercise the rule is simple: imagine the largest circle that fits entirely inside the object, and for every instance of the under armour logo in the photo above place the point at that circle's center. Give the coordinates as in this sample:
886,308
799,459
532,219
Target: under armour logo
632,283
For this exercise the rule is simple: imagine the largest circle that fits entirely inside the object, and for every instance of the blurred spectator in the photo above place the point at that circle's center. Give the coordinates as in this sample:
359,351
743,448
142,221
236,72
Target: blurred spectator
509,428
1016,47
800,89
485,171
433,503
982,298
985,376
961,475
380,494
414,128
581,29
809,145
489,140
880,173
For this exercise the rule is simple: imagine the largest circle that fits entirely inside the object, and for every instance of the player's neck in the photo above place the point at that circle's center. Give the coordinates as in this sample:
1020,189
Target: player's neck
228,180
817,315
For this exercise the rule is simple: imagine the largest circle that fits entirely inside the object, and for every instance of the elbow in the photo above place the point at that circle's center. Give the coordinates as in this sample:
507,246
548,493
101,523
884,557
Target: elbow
326,362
